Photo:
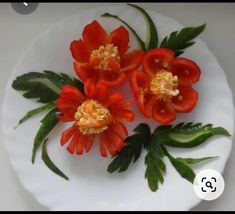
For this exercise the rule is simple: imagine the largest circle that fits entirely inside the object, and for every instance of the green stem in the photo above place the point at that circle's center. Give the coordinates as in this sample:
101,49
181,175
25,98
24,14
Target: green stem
139,40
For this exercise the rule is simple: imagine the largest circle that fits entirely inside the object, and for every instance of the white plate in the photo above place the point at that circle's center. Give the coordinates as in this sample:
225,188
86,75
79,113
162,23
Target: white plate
90,187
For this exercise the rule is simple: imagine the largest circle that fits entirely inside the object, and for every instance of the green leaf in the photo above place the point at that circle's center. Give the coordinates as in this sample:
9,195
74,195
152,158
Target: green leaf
194,161
36,111
132,150
155,167
139,40
49,163
187,135
35,90
162,130
151,29
220,131
179,40
48,123
183,169
43,86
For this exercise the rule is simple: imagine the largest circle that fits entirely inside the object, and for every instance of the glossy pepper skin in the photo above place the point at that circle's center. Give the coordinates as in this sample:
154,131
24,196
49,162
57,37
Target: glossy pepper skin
102,57
96,113
174,95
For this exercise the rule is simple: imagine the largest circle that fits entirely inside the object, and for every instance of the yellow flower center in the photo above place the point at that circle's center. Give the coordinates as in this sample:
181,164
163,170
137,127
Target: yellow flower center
92,117
102,56
164,85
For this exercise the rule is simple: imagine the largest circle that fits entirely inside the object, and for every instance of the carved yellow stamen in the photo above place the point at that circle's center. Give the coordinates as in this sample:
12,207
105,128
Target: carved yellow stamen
104,54
92,117
164,85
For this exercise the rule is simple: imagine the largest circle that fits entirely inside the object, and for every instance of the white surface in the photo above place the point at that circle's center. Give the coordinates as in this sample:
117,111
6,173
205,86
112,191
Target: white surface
18,31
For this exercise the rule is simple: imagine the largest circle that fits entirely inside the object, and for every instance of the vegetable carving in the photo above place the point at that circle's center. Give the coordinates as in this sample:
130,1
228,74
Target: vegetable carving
162,84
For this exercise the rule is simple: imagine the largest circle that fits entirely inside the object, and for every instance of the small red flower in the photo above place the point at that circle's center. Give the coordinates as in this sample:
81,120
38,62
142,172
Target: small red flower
164,87
95,113
102,57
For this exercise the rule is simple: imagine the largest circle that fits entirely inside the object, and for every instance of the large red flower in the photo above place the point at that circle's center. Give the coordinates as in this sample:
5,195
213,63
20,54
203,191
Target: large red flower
102,57
164,87
95,113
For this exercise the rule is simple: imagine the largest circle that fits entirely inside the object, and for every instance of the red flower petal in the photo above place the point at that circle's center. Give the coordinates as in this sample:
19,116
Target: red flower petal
120,38
73,93
119,106
94,35
90,89
114,141
139,81
101,92
119,78
163,112
96,91
131,60
80,144
67,134
102,142
113,99
73,143
149,105
125,115
119,129
65,118
94,61
106,141
112,150
114,65
186,100
88,140
79,51
67,106
84,71
187,71
70,99
156,59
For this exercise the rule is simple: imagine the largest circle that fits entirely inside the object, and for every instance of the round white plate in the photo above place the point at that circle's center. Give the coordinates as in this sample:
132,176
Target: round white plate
90,187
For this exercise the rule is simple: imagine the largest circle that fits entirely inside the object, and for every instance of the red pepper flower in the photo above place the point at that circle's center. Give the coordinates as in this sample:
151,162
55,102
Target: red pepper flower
95,113
164,87
102,57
